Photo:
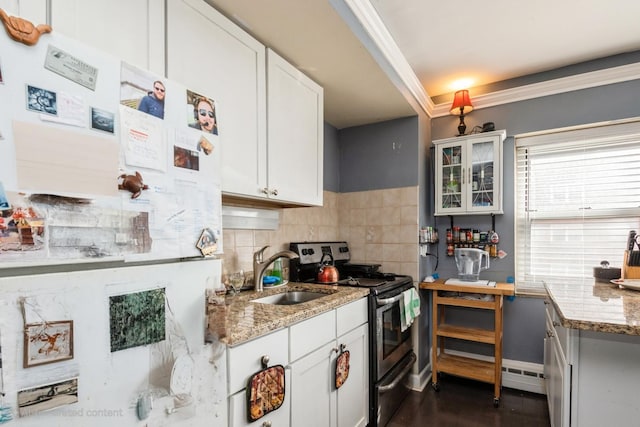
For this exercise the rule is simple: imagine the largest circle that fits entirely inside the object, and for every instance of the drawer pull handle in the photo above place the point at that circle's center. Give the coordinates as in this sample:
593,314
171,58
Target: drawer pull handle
556,323
339,350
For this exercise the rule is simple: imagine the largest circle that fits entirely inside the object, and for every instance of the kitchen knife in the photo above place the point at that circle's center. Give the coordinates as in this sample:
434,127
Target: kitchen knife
631,240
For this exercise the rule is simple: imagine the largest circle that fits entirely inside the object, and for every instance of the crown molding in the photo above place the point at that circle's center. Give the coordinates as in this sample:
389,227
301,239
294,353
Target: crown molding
368,17
591,79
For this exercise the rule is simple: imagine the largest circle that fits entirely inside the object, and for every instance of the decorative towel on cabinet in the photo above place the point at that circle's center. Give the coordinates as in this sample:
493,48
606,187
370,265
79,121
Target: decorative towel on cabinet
265,392
409,308
342,368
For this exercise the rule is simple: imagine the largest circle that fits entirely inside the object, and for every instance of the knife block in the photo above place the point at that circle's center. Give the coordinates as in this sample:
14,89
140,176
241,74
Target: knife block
629,271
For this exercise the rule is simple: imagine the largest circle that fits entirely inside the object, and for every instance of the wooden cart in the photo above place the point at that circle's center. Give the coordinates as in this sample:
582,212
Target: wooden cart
480,370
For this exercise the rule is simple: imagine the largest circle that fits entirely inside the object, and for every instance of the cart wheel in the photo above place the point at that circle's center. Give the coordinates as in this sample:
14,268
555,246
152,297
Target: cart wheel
496,402
435,386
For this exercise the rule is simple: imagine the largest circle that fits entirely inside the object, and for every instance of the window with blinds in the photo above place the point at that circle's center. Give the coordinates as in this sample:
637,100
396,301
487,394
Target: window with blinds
577,198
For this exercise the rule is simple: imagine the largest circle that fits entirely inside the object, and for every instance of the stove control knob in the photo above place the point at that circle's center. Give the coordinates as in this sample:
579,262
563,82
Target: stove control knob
311,251
305,251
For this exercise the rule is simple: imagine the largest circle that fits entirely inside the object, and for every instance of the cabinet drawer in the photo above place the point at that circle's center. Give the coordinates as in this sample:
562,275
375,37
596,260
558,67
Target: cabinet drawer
351,316
246,359
306,336
278,418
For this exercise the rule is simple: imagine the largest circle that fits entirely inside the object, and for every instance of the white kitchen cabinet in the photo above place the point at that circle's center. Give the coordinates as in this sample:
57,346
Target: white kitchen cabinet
271,146
295,134
247,359
591,377
557,372
132,31
238,416
469,174
216,58
353,397
308,350
308,335
314,399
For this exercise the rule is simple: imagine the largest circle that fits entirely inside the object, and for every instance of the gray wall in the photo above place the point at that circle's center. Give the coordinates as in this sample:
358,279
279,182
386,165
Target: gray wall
331,159
368,161
380,155
524,317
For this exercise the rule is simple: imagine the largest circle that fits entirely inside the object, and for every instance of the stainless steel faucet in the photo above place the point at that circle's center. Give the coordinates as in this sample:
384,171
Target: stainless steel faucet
259,266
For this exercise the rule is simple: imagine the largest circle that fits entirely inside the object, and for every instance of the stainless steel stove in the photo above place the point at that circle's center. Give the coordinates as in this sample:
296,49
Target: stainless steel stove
391,353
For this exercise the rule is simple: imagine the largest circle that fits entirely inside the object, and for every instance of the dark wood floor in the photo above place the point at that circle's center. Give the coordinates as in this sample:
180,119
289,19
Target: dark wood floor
465,403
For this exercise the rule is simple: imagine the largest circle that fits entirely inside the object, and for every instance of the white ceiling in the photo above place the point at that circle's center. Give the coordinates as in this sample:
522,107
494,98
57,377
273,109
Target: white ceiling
441,41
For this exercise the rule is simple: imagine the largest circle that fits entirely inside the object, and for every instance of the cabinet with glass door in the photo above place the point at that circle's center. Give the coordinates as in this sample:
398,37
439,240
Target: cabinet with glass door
469,174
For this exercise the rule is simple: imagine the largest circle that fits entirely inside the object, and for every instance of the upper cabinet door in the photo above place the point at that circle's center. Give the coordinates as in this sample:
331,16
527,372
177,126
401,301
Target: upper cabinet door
483,175
129,30
295,134
469,174
217,59
450,168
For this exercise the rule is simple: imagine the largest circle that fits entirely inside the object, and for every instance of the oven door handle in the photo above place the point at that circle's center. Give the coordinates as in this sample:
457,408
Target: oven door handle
387,301
385,388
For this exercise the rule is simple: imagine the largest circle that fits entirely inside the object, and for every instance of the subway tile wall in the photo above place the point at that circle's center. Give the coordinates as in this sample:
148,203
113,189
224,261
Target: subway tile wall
381,226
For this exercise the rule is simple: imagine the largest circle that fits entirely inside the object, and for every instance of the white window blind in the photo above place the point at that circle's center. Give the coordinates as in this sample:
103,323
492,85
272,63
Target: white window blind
577,198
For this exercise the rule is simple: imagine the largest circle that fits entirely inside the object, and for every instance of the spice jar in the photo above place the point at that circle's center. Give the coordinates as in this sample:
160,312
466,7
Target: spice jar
493,250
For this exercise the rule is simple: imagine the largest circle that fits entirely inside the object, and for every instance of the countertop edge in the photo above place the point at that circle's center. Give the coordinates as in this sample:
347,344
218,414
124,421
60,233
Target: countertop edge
587,325
229,323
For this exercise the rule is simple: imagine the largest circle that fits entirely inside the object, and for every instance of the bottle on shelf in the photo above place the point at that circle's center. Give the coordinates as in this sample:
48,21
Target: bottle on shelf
493,243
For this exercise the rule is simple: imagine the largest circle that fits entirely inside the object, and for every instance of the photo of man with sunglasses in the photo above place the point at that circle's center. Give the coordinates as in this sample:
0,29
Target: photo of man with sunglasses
204,114
153,102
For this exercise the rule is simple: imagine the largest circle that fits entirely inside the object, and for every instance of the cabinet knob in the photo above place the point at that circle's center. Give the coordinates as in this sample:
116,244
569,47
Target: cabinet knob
264,190
556,323
266,424
274,192
265,361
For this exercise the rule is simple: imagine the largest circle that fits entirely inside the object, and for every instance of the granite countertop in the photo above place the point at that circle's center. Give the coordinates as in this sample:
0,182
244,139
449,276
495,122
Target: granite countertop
596,306
238,319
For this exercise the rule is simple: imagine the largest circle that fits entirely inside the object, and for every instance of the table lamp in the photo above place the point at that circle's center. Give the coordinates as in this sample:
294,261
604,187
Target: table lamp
461,105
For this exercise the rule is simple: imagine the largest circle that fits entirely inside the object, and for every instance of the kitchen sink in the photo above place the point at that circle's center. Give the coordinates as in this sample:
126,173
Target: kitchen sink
290,298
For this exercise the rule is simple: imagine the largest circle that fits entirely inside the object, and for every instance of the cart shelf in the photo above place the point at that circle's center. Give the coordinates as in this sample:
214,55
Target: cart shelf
454,296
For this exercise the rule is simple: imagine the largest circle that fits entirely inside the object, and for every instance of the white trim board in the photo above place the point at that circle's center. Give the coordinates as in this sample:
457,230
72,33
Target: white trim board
608,76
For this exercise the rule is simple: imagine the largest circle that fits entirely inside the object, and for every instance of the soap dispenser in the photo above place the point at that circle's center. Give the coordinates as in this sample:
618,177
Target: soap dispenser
277,270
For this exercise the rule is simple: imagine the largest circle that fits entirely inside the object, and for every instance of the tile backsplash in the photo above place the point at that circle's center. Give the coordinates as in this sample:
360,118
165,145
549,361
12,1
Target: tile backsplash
381,226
